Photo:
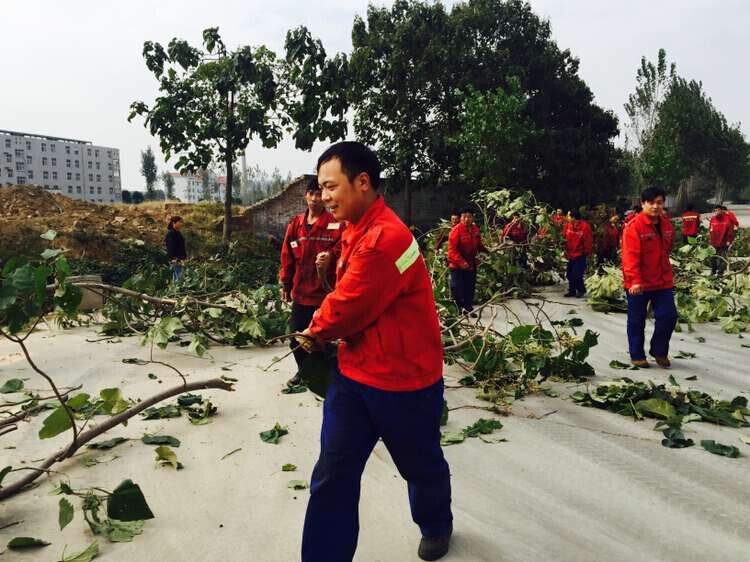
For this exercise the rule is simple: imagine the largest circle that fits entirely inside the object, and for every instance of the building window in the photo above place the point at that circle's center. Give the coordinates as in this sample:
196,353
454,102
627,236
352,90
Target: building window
45,175
44,147
110,178
54,161
70,176
28,145
67,150
46,186
67,163
7,143
19,152
78,189
99,190
52,147
98,177
91,190
78,163
20,166
54,175
88,151
75,152
70,189
96,152
21,180
78,176
31,174
28,159
110,166
90,164
97,165
91,177
44,160
8,157
111,190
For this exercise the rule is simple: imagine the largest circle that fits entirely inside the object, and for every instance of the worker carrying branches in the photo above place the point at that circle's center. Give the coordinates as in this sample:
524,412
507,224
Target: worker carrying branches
388,383
311,247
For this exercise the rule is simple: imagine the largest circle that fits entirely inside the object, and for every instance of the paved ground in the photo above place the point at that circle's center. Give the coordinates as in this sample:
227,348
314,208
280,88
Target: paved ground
576,485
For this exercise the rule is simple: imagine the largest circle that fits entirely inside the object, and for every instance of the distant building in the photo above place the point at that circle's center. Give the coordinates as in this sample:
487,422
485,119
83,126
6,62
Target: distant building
75,168
189,188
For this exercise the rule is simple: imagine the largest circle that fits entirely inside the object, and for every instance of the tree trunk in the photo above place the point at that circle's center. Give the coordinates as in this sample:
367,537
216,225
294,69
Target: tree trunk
228,158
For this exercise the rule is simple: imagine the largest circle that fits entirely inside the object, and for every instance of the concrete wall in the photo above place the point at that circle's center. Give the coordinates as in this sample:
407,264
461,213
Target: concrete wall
272,215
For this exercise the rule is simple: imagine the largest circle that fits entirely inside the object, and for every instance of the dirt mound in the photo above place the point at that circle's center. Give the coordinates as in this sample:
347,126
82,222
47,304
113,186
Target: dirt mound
90,229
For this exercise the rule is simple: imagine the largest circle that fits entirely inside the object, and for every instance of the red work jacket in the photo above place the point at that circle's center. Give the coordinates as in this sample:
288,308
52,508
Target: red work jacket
578,239
645,254
690,223
516,231
383,307
298,274
610,237
720,231
463,246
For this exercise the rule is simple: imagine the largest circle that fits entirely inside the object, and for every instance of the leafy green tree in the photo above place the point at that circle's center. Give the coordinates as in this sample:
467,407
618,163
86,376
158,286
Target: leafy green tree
168,181
137,197
126,196
212,102
149,171
398,58
492,135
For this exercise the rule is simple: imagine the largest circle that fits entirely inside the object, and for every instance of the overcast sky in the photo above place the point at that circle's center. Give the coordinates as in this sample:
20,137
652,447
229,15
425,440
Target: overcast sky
72,68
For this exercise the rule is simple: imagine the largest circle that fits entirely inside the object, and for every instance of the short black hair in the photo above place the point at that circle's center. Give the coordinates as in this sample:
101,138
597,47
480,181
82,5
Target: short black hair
717,206
724,208
312,184
355,159
575,214
455,213
467,210
651,193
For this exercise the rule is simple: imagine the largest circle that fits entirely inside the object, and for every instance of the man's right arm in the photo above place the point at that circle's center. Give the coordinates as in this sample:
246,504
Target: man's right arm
288,265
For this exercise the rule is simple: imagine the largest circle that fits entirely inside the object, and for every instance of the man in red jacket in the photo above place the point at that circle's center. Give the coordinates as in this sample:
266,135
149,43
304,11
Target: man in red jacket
720,235
647,272
579,241
464,243
516,232
609,241
312,242
388,383
691,221
442,237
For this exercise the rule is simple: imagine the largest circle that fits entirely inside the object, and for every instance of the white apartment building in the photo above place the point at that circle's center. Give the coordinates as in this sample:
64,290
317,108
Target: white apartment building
74,168
189,188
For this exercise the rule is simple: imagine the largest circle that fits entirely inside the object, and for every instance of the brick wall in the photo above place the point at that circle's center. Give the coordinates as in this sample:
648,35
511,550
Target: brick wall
272,215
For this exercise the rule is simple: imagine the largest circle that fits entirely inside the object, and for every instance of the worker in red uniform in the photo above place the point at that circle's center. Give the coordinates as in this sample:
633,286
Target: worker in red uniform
720,234
442,237
312,242
733,221
558,220
609,241
515,231
631,214
579,240
388,383
464,243
647,272
691,221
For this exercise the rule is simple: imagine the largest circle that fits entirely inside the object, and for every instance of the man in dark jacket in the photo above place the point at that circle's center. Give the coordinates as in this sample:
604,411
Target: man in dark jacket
175,243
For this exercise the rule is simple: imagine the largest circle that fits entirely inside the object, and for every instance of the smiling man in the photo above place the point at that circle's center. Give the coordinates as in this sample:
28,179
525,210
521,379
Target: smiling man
388,383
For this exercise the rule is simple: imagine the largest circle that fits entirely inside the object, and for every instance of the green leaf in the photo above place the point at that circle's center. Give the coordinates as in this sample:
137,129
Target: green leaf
718,449
50,253
120,531
107,444
673,381
674,438
294,389
451,438
186,400
685,355
86,555
49,235
482,427
65,515
12,385
160,440
113,402
656,407
289,467
692,378
63,488
297,485
21,543
152,376
444,415
127,503
615,364
166,456
274,434
162,412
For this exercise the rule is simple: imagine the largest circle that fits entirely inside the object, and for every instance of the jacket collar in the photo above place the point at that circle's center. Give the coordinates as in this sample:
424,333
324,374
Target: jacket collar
321,222
643,220
370,215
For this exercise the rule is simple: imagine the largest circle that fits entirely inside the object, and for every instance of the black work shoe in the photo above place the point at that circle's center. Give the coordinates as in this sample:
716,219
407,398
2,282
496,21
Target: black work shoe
569,295
296,380
434,548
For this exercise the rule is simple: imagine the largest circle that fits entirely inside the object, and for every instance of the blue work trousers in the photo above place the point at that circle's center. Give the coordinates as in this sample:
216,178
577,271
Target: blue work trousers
354,417
463,288
575,272
665,317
